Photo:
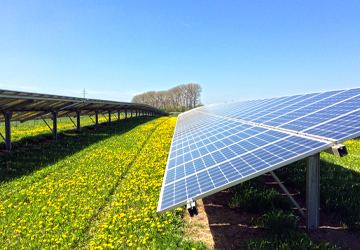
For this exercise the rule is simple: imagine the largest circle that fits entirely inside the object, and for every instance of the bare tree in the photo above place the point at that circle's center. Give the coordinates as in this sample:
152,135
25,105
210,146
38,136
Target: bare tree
184,96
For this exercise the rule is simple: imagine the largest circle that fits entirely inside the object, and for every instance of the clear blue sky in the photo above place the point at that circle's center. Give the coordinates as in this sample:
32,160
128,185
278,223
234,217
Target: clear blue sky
236,50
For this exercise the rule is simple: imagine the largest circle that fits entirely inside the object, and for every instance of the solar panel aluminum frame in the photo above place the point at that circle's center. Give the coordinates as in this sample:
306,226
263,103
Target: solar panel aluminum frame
348,138
246,178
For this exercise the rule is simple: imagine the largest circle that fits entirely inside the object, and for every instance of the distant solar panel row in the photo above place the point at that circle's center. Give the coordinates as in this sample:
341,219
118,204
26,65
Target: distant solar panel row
217,146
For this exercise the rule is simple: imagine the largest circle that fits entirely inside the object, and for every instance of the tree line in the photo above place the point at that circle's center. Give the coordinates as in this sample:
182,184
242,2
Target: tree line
180,98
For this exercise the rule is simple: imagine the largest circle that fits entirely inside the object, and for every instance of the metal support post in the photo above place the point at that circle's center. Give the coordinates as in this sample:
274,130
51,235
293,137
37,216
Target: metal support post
118,115
8,116
96,118
136,113
78,120
131,114
125,114
313,192
109,111
54,130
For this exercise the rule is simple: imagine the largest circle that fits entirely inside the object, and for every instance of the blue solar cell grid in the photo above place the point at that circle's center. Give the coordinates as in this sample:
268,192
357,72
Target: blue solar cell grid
220,159
219,145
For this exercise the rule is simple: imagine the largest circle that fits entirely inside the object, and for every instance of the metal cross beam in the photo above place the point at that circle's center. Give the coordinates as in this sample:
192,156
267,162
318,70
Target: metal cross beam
47,124
72,120
91,119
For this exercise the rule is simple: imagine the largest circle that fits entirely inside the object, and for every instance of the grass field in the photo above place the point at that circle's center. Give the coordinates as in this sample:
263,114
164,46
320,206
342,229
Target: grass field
99,190
36,131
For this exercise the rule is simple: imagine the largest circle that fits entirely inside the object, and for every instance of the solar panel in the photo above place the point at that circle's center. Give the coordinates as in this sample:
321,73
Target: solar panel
218,146
28,106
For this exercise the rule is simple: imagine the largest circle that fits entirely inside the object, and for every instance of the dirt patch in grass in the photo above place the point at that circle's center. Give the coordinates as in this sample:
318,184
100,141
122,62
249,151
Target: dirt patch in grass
219,226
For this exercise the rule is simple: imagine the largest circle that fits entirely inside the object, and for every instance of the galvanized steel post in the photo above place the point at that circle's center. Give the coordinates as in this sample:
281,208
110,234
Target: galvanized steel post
96,118
8,116
109,116
54,130
78,128
313,192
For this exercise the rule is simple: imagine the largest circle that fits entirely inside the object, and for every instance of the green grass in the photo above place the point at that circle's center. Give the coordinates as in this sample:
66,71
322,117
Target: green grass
29,132
254,196
276,218
54,195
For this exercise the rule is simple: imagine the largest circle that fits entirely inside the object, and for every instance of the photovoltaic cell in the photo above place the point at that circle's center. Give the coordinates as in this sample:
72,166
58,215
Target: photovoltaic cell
217,146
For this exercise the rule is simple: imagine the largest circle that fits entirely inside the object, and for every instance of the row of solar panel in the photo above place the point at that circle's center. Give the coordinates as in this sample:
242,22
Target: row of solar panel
235,147
211,151
308,118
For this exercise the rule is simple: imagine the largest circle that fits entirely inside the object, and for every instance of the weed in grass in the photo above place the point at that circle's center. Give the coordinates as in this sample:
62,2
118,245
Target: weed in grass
253,196
284,233
278,222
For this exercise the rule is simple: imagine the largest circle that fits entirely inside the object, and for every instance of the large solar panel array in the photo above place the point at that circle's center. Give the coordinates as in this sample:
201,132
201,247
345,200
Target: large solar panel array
218,146
28,106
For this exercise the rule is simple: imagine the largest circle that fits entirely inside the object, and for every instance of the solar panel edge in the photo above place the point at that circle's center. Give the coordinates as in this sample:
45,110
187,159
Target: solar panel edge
349,137
167,164
246,178
286,96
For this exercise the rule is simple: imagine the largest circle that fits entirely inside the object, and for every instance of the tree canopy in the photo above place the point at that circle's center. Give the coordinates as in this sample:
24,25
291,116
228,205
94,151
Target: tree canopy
180,98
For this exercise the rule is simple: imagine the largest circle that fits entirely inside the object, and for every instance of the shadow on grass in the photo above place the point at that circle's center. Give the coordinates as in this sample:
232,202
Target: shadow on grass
29,140
230,227
339,189
23,162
